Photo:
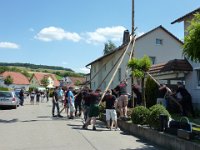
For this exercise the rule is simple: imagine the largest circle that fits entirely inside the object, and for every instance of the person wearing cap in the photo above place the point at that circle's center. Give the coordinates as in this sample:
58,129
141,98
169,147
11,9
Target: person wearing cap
111,113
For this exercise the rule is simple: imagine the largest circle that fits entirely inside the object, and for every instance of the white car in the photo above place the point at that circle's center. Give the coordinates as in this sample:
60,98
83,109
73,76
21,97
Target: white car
8,99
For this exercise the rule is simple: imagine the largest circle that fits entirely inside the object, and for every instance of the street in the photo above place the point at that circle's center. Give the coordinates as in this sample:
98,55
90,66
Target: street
31,127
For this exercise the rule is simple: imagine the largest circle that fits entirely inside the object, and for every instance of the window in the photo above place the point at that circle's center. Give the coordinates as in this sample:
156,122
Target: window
198,77
159,41
153,59
119,74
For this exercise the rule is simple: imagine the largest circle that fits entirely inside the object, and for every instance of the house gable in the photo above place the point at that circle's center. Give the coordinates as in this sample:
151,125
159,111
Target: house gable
18,78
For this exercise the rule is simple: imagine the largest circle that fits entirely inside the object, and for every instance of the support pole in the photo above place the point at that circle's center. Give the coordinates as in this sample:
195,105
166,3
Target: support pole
122,58
132,54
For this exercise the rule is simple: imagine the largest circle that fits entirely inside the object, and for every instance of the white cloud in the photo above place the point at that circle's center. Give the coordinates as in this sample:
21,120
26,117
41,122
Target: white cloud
9,45
55,33
102,35
83,70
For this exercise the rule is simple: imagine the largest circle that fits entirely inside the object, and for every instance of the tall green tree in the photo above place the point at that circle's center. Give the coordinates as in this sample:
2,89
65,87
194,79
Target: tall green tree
8,80
109,47
191,48
139,68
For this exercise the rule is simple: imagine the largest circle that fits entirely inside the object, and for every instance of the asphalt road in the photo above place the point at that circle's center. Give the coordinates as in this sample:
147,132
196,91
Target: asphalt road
31,127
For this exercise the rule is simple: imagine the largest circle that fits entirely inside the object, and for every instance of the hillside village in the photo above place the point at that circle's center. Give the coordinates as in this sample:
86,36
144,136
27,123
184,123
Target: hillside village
38,80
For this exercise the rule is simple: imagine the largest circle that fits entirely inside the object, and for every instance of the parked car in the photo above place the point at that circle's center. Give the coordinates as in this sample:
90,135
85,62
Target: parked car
8,99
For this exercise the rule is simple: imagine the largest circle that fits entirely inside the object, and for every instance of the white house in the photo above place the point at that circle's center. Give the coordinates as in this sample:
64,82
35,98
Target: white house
159,44
192,82
37,77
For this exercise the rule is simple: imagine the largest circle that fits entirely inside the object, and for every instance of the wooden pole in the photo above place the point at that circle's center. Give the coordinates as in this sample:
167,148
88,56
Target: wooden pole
122,58
133,15
132,54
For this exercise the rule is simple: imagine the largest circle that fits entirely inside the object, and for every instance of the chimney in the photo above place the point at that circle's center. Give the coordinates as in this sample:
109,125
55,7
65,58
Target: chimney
126,37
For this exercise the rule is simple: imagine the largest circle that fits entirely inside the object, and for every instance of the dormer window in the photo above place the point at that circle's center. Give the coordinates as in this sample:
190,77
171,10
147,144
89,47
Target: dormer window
159,41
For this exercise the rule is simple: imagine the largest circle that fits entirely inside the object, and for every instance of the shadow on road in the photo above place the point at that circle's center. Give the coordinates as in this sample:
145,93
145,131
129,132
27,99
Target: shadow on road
8,121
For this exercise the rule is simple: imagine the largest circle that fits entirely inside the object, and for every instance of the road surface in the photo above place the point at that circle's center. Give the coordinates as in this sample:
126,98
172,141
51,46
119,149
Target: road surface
31,127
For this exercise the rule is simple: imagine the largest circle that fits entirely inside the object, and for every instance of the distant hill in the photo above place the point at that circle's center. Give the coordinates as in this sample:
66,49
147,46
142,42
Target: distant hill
33,66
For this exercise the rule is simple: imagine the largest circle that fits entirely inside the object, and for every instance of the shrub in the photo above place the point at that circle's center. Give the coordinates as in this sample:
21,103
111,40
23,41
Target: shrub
151,92
140,115
155,112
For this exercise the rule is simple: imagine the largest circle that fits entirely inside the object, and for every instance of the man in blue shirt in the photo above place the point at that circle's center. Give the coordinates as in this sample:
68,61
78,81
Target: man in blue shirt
70,98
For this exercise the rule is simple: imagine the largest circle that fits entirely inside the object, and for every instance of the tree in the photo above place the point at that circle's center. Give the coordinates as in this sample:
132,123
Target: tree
139,68
109,47
8,80
45,82
191,47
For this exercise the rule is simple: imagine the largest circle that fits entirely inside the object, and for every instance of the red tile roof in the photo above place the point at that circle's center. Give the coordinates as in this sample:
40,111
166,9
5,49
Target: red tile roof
39,76
172,65
74,80
17,77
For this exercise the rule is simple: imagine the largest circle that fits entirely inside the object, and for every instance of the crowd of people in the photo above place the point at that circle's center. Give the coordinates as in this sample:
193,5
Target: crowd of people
180,95
85,102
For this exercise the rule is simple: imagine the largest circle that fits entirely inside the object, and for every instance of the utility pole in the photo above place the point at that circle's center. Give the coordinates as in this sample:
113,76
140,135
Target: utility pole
132,33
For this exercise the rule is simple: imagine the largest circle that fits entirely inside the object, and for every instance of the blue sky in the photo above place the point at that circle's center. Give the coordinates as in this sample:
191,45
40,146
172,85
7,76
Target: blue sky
72,33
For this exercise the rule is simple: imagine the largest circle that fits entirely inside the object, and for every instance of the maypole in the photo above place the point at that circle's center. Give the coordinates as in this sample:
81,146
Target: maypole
132,54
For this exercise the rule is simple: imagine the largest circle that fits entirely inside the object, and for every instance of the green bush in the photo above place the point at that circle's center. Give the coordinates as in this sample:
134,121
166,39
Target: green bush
155,112
151,92
140,115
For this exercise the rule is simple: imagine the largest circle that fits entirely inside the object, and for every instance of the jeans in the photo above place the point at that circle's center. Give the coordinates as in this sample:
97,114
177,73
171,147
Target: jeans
21,100
55,104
